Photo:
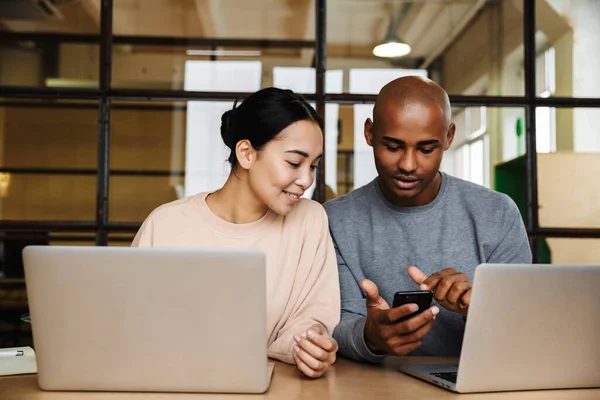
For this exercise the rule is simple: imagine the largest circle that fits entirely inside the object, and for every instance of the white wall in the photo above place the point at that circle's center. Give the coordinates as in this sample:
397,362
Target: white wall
584,17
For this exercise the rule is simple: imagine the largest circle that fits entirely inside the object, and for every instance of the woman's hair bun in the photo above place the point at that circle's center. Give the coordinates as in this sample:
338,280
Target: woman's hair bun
227,131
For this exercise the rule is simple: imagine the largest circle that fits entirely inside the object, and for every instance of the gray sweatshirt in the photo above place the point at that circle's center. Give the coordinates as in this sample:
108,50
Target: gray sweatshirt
464,226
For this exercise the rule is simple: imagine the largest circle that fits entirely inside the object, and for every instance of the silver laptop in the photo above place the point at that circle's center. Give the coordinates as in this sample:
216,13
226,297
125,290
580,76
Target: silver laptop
148,319
529,327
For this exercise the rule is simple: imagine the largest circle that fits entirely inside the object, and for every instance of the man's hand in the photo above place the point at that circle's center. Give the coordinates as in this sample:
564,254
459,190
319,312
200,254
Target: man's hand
315,351
383,334
450,288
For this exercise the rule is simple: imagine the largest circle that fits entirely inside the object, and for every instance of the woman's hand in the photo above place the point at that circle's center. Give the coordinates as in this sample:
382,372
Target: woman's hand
314,352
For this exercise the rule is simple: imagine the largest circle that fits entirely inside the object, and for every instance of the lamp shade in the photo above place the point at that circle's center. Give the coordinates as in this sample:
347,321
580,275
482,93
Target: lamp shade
391,48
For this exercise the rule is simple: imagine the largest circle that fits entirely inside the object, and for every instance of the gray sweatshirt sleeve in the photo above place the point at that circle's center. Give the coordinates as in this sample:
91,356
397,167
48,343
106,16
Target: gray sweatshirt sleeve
513,245
350,331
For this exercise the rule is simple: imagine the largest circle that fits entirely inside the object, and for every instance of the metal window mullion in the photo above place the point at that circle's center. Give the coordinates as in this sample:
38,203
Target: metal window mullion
530,138
104,122
321,67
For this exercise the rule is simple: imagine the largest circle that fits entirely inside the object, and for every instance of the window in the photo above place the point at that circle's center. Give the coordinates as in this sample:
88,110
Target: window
470,150
546,116
136,104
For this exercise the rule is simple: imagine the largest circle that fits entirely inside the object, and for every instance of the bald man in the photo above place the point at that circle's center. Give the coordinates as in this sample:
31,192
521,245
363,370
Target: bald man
414,227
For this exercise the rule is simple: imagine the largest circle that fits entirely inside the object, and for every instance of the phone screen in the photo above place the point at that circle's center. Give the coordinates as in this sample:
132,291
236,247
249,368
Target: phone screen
421,298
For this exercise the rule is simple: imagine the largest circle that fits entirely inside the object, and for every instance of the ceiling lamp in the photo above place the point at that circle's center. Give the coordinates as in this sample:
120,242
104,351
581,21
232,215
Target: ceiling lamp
393,46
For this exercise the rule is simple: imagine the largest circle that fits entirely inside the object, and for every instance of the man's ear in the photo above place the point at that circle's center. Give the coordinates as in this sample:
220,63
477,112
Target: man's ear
246,154
369,131
450,136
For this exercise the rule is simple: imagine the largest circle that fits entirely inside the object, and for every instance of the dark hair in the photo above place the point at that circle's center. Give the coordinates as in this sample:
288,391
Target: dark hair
262,116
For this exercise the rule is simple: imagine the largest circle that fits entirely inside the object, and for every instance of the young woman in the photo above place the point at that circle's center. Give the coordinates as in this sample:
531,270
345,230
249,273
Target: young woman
276,143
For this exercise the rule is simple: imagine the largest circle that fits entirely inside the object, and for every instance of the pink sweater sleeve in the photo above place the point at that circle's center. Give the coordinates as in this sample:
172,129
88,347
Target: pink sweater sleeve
318,301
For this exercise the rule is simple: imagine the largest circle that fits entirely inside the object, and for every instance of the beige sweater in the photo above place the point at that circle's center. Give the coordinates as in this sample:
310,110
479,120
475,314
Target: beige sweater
302,276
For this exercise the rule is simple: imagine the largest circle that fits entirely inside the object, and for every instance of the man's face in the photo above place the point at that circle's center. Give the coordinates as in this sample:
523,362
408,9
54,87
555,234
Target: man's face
408,144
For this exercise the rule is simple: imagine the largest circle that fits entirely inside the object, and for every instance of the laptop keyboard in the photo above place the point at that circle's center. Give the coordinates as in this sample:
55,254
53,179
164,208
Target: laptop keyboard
449,376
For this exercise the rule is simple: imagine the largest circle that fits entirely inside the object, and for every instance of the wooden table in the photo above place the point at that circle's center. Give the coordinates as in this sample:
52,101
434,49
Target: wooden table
346,380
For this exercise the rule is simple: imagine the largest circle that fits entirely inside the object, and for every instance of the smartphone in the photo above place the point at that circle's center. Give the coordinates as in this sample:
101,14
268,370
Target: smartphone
421,298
